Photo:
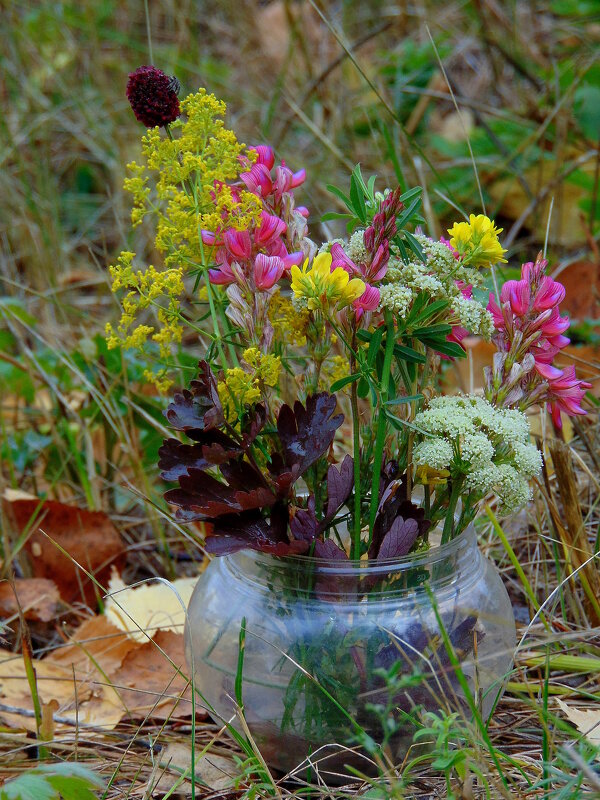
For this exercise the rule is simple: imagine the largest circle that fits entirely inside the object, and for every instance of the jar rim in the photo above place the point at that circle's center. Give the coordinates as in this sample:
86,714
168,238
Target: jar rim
458,547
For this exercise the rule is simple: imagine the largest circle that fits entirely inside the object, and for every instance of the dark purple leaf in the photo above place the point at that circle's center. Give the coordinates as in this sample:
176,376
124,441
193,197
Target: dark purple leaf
213,448
339,486
249,530
202,496
199,406
393,504
307,433
305,525
329,551
399,539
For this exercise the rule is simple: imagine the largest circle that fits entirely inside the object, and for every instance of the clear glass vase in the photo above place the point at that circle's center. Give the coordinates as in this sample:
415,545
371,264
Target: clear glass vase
340,654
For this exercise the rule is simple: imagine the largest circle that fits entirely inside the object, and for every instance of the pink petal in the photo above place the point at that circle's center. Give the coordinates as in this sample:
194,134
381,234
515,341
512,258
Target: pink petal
267,270
238,243
298,178
270,227
265,154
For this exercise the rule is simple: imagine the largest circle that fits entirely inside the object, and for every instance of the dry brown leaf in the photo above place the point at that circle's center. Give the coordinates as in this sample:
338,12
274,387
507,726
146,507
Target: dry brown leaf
38,598
155,682
586,721
54,682
217,772
89,538
143,610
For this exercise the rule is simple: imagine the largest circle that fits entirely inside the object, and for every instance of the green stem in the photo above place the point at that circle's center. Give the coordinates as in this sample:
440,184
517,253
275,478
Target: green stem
448,532
381,420
356,453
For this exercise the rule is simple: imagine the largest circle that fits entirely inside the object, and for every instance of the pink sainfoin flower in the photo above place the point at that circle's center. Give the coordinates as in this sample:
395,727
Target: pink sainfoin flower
250,262
530,334
376,239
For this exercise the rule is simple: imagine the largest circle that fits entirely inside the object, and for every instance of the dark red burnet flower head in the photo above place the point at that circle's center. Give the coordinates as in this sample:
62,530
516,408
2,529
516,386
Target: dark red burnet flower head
153,96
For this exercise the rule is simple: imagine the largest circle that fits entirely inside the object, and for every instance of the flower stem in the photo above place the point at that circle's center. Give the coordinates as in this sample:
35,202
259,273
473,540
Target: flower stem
356,453
381,420
448,532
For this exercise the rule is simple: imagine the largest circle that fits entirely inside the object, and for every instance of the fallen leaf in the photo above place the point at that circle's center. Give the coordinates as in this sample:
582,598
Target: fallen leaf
38,598
586,721
143,610
88,537
216,772
54,682
153,679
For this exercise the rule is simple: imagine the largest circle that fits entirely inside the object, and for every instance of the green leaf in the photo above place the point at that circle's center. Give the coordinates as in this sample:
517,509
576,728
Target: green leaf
364,336
408,212
371,187
407,399
334,215
451,349
374,345
49,782
414,245
10,307
339,384
340,195
357,198
430,310
432,330
417,191
408,354
363,388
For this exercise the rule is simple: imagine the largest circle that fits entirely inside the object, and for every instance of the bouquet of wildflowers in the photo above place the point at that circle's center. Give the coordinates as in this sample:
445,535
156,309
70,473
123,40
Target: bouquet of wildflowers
317,399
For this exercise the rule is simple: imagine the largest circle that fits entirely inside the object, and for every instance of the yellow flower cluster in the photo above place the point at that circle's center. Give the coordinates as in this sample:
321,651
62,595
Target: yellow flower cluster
323,289
289,324
182,183
242,387
146,288
476,241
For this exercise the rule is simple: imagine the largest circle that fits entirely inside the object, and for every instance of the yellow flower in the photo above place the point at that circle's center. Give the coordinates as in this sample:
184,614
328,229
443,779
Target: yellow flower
427,476
242,387
323,289
289,324
476,241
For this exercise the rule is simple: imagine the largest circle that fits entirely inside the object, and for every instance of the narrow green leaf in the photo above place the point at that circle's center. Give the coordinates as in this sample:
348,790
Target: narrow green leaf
407,399
432,330
408,354
374,345
451,349
334,215
340,195
408,212
416,191
339,384
357,198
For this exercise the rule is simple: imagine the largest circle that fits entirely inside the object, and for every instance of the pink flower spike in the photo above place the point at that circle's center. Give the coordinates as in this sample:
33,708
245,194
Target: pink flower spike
223,276
267,270
550,294
565,394
258,180
496,312
559,341
555,324
378,266
298,178
547,371
270,228
238,243
265,154
520,297
339,258
369,299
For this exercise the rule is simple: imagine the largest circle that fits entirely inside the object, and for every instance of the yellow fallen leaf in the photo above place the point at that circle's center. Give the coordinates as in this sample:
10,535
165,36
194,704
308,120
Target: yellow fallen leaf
586,721
142,611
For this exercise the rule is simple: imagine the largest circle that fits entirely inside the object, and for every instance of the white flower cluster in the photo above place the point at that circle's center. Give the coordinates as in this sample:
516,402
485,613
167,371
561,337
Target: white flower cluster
491,446
355,249
438,277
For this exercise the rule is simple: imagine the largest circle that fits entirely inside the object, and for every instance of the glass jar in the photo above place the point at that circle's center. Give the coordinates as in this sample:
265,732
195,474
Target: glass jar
344,654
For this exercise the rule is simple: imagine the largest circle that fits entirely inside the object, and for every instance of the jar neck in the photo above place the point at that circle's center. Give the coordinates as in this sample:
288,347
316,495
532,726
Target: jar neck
453,564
